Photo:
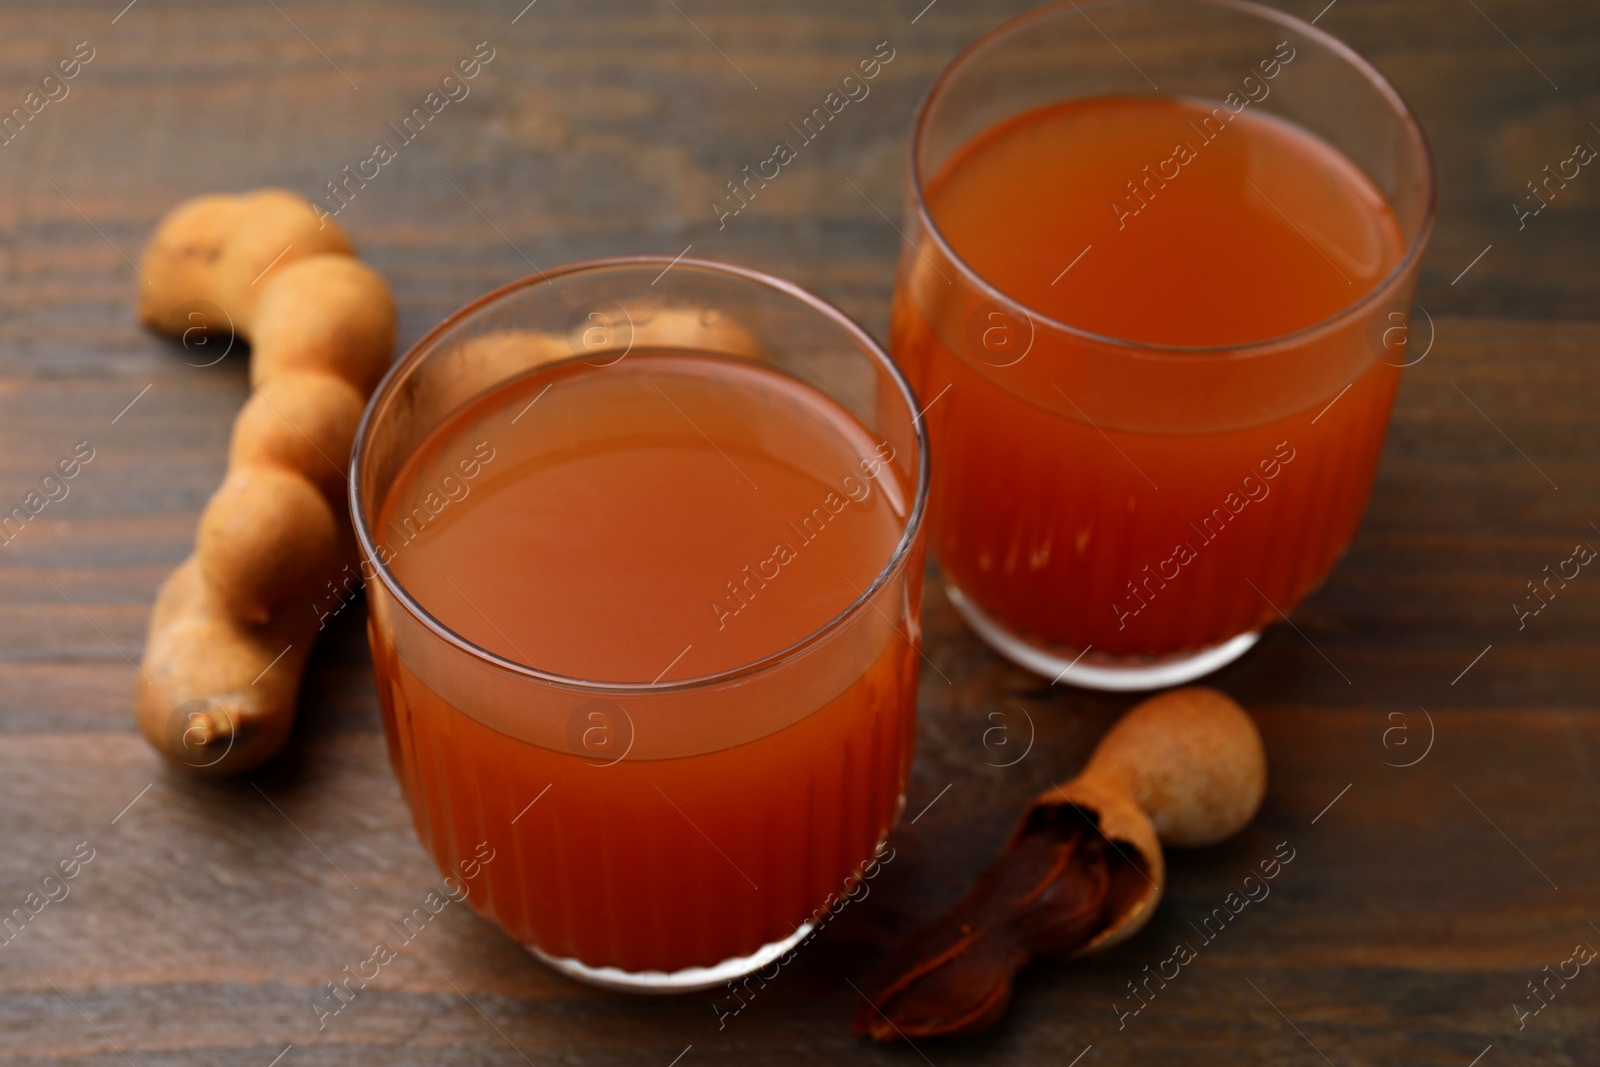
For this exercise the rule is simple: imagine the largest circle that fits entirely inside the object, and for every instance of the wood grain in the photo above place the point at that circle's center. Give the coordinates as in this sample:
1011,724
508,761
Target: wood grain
1418,905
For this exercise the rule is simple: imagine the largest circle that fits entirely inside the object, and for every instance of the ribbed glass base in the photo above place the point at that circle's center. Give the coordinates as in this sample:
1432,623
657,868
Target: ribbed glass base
1092,670
688,980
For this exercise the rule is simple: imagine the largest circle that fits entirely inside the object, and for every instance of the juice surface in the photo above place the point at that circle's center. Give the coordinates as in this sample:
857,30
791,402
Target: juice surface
1202,227
662,518
1172,517
667,517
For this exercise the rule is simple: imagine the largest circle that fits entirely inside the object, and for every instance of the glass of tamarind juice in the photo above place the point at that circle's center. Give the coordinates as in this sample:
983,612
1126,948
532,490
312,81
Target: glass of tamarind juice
644,550
1156,289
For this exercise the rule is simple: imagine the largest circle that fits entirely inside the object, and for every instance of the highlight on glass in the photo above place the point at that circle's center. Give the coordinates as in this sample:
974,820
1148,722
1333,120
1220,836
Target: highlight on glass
1156,298
648,545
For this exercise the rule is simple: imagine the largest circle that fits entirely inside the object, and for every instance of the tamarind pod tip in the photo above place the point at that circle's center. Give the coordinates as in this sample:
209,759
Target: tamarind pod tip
216,250
1193,761
216,696
178,263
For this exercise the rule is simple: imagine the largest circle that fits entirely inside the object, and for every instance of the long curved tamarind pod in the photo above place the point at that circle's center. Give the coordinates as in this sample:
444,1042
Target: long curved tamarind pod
233,625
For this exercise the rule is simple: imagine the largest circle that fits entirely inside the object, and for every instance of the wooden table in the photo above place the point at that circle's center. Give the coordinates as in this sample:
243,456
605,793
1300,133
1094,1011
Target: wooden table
1422,899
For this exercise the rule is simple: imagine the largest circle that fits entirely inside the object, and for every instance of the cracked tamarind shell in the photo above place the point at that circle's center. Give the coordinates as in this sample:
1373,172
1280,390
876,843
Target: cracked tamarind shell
1184,768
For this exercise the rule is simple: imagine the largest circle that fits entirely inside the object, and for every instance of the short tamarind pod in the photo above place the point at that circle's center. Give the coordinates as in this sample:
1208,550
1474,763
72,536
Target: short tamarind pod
328,313
1084,869
265,538
212,690
304,422
1185,768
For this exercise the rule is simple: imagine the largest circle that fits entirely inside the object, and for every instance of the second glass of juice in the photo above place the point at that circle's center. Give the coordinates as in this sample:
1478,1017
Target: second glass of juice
644,560
1156,298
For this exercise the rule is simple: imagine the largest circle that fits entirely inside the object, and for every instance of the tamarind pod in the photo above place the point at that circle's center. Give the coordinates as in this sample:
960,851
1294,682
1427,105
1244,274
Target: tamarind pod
1185,767
212,690
232,627
326,313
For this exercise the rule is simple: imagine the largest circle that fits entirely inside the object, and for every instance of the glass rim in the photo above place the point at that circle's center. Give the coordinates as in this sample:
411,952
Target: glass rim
1294,338
402,367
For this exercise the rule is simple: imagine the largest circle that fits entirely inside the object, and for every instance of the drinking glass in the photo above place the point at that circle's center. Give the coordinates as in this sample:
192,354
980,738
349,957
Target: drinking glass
667,836
1087,489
